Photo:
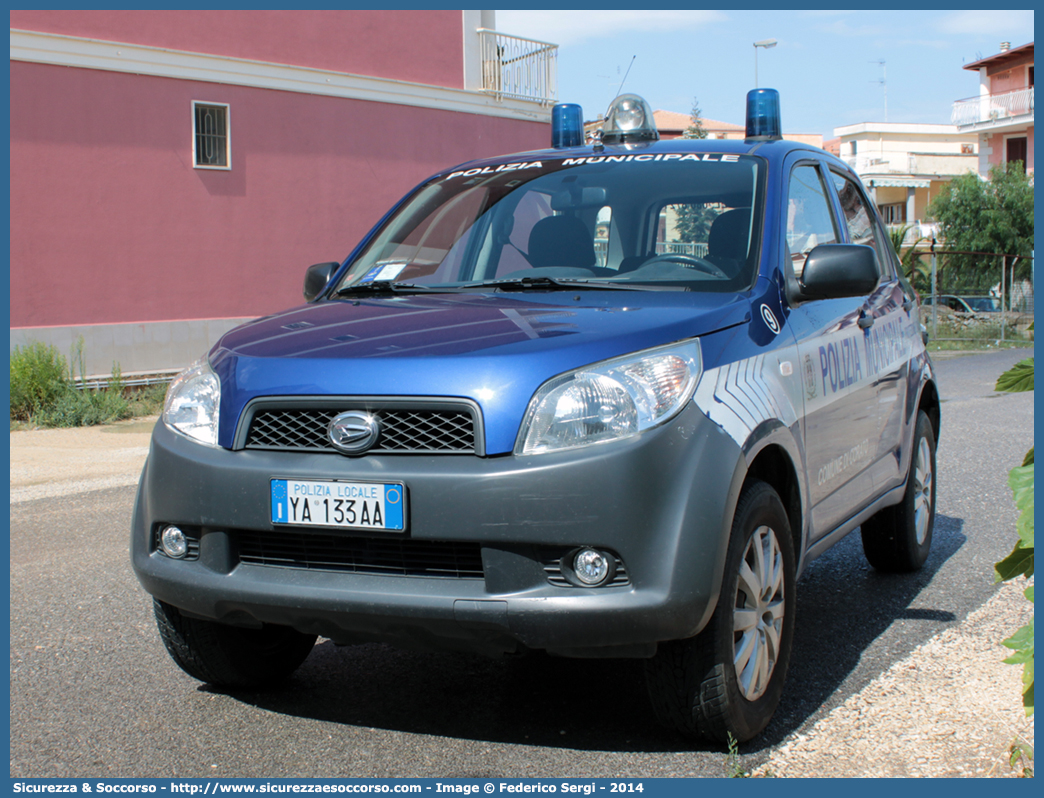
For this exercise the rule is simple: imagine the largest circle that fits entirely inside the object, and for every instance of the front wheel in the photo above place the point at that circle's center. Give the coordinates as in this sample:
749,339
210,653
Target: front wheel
231,656
899,538
727,681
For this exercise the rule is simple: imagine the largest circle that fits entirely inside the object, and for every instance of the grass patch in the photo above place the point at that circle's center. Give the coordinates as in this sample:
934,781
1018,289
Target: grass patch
45,394
974,345
958,332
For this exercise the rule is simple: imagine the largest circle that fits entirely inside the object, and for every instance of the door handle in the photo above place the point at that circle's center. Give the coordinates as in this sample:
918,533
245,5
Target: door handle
866,321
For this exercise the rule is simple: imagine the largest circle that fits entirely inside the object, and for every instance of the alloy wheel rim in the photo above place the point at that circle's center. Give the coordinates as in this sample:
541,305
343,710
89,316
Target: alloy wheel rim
757,618
923,486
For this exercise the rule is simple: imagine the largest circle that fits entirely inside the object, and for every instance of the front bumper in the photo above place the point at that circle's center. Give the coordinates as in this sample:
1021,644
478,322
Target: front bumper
661,502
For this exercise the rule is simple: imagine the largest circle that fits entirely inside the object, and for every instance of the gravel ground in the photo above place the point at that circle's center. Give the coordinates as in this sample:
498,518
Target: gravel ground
944,711
57,462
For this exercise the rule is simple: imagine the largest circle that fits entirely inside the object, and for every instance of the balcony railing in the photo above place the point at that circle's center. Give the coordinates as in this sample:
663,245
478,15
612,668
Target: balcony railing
519,69
992,107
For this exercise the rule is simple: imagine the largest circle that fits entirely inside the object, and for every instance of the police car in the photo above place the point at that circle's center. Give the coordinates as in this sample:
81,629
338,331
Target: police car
607,399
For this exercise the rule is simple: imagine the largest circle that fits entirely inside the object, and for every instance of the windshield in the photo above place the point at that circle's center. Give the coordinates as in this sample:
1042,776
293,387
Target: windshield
681,221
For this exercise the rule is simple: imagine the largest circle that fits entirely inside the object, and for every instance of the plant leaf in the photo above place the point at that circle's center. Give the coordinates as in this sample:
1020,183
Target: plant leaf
1018,378
1021,481
1028,459
1021,641
1019,562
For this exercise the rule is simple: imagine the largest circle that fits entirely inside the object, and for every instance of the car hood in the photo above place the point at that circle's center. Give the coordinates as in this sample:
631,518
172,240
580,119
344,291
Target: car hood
493,348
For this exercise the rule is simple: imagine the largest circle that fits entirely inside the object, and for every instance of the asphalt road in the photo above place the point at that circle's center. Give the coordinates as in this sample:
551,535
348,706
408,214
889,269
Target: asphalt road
93,693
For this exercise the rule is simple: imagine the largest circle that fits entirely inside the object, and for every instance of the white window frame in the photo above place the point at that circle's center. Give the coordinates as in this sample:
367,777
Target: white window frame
228,136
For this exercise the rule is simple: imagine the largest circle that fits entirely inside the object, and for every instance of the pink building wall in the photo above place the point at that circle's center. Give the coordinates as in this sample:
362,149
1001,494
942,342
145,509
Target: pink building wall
1004,77
401,45
111,223
1010,75
998,153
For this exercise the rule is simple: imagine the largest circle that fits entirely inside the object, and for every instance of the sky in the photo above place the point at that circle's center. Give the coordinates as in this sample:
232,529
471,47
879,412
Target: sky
827,65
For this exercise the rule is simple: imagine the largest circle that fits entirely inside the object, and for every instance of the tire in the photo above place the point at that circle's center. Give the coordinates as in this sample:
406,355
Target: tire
231,656
696,686
898,539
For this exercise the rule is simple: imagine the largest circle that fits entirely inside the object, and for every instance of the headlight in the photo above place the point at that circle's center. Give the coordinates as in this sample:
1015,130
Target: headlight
191,406
611,400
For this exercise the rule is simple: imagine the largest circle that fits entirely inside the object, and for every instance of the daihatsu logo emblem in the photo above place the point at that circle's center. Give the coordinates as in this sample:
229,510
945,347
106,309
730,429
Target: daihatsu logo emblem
353,432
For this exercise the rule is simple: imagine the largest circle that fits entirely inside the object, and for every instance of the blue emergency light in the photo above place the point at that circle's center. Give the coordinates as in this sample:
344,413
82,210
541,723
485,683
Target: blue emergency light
567,125
763,118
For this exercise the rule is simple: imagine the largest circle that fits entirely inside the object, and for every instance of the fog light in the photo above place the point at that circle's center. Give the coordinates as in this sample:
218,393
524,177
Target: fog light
591,567
174,542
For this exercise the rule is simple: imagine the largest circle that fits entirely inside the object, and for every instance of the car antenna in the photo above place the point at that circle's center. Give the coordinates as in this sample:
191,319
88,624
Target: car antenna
598,146
625,76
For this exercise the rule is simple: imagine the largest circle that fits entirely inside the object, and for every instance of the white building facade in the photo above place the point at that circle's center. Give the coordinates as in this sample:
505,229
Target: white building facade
905,166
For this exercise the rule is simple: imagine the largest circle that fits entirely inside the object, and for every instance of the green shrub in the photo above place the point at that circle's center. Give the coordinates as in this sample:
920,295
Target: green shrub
38,378
84,409
43,392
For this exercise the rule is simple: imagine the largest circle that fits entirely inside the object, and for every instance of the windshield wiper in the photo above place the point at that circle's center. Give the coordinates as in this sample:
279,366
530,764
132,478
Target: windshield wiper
561,284
385,287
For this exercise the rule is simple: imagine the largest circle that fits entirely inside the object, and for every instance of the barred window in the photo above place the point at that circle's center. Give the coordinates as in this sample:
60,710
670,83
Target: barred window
210,141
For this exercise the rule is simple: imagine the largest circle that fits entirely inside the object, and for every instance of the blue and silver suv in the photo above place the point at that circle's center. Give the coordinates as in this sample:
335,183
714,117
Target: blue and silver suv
601,400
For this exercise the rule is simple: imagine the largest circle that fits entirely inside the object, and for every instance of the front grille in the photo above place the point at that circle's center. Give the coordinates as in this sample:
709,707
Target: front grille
404,430
291,548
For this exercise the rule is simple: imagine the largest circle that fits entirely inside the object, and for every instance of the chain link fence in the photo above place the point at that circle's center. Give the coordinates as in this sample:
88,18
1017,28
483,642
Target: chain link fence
974,297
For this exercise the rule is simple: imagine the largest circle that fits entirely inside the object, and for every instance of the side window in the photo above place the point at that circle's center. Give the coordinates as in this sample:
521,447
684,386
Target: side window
809,221
860,221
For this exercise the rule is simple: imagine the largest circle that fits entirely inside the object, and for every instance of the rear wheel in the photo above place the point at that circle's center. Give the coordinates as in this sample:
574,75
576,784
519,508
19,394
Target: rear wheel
899,538
231,656
729,678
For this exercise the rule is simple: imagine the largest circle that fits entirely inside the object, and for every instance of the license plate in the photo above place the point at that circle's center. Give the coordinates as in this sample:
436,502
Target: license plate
347,505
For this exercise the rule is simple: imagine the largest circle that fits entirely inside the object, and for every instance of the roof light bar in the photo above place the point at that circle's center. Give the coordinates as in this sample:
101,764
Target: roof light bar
763,118
567,125
629,119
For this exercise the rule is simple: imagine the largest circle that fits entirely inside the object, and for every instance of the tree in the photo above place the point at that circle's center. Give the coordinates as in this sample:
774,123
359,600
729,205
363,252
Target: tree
695,130
916,270
693,222
994,215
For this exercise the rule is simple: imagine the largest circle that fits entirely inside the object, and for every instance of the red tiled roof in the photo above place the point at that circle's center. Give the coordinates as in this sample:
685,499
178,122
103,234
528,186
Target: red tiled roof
1001,57
669,120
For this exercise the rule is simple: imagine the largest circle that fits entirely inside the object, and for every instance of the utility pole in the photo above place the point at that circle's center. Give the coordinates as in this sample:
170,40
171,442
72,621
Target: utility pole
765,44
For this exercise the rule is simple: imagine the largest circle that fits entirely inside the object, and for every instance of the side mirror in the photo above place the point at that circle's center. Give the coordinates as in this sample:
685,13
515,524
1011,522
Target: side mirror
317,278
833,271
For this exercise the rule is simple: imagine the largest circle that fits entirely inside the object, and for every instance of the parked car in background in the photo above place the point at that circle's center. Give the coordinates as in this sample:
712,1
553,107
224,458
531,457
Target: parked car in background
965,304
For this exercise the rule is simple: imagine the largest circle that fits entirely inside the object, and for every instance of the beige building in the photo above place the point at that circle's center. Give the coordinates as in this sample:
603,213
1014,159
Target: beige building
905,166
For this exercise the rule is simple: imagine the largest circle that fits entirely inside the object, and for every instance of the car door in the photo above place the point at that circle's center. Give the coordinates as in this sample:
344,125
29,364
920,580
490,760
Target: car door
842,416
888,328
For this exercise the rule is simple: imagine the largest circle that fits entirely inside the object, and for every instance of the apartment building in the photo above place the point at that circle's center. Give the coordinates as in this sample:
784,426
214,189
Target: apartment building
905,166
1001,114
